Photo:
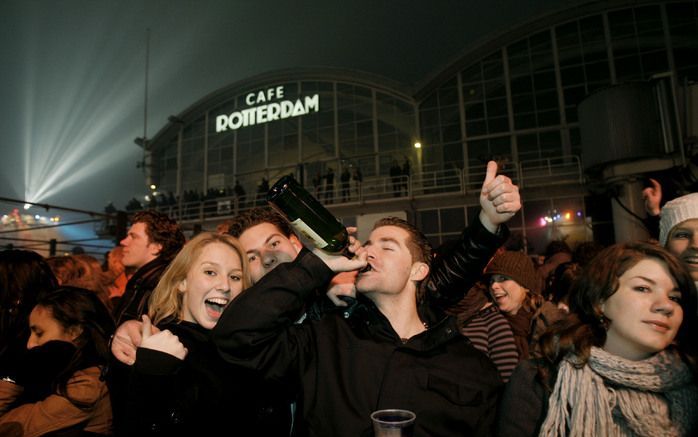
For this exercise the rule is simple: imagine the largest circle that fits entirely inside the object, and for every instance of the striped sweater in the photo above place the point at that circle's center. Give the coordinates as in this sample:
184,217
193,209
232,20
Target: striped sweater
491,333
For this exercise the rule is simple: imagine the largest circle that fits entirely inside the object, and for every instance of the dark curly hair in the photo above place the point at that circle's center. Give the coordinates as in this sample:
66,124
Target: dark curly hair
161,229
256,216
586,326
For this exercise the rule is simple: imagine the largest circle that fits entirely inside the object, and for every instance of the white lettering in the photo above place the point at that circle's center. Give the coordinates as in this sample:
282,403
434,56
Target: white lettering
269,112
312,103
286,108
222,123
298,109
262,114
235,120
274,111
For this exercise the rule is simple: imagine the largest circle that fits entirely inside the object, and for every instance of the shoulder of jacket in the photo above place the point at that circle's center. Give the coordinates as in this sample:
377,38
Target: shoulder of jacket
86,386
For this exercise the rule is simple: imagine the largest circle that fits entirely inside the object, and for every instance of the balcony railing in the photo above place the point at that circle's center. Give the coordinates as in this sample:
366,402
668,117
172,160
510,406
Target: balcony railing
566,170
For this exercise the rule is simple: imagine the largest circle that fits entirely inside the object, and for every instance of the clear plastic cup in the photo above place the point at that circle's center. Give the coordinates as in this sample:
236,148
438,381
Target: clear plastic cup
393,423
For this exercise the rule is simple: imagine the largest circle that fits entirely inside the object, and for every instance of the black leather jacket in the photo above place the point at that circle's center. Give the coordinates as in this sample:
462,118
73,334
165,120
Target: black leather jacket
460,263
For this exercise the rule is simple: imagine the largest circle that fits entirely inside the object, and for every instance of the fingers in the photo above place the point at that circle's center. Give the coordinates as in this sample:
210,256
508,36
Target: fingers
123,349
491,174
655,184
146,330
165,341
342,285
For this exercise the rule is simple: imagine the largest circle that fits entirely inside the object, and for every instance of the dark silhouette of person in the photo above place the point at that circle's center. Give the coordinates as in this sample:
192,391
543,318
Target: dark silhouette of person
358,178
406,171
395,172
329,185
240,193
344,178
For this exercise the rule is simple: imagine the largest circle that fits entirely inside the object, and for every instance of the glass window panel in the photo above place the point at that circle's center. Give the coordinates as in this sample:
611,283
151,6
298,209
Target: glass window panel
452,219
521,84
429,221
524,120
475,127
497,124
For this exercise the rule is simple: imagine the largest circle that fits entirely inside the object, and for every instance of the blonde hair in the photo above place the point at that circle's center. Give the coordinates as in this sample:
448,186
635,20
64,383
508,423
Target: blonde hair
166,302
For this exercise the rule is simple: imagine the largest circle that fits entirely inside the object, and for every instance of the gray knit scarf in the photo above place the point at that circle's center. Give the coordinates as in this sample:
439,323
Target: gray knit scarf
612,396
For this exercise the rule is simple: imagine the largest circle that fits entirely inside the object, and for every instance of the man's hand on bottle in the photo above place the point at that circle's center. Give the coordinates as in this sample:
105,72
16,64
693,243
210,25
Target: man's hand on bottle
499,199
340,263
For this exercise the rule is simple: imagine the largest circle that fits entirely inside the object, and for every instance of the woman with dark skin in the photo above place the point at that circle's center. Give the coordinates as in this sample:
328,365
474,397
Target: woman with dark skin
59,386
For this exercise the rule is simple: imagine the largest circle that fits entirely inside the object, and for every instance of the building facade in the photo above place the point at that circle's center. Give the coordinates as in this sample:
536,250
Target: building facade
366,145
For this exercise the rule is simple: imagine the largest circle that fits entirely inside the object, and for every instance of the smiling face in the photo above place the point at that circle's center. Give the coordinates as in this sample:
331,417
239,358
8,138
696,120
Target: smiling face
44,327
138,249
390,268
508,294
213,280
683,242
267,247
644,313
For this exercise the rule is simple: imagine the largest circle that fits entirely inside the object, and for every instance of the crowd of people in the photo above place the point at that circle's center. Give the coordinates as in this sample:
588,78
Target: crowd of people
245,331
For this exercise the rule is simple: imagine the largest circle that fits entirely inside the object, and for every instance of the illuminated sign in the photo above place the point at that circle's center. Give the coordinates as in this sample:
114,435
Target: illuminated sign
267,111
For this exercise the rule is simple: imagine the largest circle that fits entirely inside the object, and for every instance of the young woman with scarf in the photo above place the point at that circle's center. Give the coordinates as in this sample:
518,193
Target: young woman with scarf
622,363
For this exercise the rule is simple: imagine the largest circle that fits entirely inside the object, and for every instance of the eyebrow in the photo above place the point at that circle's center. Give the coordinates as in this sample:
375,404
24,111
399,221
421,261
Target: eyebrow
271,237
645,278
383,240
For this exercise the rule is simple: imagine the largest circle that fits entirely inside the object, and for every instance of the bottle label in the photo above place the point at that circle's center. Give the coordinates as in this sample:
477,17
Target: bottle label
304,229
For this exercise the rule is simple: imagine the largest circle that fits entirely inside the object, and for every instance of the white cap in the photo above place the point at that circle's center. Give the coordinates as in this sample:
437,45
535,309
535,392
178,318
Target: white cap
677,211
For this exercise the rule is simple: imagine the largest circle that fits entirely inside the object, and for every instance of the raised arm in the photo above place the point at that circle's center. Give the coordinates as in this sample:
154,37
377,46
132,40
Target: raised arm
257,329
457,268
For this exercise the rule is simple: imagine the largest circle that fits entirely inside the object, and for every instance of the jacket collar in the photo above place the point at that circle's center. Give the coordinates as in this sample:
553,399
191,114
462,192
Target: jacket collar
368,322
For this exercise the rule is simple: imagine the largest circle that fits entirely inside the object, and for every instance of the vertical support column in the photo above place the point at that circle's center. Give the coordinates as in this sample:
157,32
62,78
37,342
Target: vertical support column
626,227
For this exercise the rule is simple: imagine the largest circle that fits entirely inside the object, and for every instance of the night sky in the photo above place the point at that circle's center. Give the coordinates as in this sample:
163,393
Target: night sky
73,72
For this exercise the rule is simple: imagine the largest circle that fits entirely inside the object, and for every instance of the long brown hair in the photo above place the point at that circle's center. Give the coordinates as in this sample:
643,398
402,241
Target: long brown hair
586,325
166,301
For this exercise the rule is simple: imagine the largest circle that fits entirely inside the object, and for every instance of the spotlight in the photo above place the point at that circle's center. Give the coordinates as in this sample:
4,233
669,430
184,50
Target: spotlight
417,145
27,206
153,187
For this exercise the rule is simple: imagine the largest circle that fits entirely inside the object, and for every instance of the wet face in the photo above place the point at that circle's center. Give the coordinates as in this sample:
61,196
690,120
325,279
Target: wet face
508,294
390,268
645,314
214,279
44,327
267,247
138,250
683,242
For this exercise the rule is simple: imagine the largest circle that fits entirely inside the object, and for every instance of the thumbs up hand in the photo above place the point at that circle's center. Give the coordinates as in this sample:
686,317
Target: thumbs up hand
499,199
163,341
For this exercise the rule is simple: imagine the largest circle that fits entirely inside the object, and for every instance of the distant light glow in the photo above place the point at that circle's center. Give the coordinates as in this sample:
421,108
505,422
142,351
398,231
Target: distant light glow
75,135
27,206
153,186
418,145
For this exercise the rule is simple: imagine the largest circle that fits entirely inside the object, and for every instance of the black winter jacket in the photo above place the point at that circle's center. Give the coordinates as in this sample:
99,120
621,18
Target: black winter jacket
346,368
202,394
134,302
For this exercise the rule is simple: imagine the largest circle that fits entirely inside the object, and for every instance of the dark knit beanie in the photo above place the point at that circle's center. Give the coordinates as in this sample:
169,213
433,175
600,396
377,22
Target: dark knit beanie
517,266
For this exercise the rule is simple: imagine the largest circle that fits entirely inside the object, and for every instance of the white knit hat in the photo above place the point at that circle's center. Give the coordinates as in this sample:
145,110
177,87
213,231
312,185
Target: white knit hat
677,211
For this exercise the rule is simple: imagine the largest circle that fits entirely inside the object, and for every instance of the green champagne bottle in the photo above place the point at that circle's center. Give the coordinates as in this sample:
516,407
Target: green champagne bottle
307,215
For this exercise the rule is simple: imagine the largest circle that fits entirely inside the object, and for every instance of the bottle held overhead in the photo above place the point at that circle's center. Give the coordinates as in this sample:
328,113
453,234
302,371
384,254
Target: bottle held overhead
307,215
